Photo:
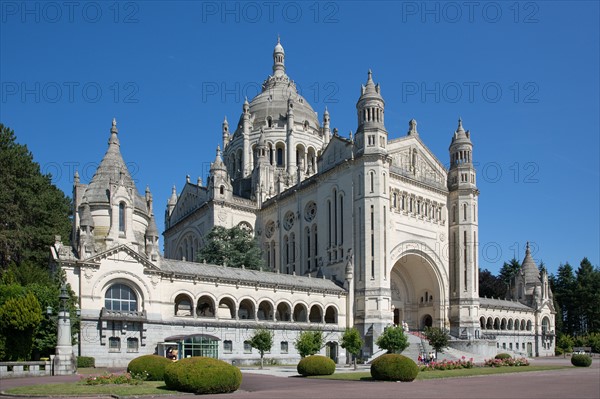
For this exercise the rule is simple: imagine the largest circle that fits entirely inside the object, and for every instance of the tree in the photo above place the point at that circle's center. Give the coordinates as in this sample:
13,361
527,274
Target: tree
565,293
309,342
262,341
19,318
507,272
352,342
438,338
490,286
33,209
235,247
393,339
587,298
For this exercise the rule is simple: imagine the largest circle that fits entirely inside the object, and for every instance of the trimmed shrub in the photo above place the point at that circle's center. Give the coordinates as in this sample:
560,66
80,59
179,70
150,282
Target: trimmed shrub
202,375
85,361
316,365
502,356
149,367
393,367
581,360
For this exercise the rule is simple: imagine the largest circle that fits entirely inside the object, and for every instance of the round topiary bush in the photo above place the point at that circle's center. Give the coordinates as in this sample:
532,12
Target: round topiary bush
202,375
393,367
581,360
503,356
150,366
316,365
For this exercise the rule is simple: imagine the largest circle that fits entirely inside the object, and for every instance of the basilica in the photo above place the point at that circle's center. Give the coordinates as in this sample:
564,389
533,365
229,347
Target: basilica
363,231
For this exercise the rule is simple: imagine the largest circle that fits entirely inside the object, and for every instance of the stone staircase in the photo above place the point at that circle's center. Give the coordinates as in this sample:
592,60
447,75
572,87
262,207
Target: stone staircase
418,344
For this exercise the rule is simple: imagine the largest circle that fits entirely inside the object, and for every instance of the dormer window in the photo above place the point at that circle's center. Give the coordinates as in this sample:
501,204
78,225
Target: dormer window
269,121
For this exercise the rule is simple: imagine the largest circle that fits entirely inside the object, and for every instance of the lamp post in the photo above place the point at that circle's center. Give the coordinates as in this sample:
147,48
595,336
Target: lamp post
64,361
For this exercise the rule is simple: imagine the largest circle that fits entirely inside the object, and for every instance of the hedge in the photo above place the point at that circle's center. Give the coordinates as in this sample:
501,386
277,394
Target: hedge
85,361
316,365
502,356
394,367
151,367
202,375
581,360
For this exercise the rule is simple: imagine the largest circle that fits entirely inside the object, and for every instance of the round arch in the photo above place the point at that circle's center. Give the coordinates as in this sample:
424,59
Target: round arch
227,308
284,311
414,273
316,314
300,313
183,305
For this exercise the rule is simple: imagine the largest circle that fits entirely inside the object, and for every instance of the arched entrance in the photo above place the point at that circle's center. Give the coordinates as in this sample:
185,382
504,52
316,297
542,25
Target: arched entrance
332,351
417,291
426,321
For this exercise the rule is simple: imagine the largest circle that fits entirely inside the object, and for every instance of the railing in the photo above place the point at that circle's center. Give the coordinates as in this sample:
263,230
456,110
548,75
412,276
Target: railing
25,369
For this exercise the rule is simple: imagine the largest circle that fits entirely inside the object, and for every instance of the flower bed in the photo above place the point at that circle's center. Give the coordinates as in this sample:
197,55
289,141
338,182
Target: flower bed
117,379
512,362
463,363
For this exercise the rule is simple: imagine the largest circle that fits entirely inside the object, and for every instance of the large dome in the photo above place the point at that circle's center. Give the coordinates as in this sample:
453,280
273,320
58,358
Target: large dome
269,107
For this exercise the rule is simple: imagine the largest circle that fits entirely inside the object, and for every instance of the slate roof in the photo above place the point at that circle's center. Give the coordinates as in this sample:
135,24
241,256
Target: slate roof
247,276
503,303
112,168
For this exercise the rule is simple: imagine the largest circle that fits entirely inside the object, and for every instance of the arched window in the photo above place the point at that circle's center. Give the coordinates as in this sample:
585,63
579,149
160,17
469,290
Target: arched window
122,217
279,156
222,190
464,211
120,297
454,214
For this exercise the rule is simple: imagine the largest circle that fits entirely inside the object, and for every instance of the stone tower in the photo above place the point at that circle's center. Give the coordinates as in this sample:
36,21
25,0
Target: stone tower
463,230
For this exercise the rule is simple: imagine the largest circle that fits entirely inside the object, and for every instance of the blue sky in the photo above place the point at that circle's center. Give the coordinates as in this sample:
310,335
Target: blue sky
524,77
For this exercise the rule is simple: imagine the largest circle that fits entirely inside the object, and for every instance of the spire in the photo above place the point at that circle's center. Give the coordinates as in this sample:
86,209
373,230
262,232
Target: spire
460,126
76,177
529,268
113,133
173,199
152,230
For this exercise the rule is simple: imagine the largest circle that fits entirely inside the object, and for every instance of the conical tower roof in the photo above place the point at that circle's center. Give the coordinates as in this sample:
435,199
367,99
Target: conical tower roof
529,268
112,169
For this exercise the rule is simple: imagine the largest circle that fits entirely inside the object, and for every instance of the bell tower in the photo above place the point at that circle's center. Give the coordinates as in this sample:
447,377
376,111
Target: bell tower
463,229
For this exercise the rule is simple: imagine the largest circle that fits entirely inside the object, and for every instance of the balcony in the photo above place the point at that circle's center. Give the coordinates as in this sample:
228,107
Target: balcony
122,315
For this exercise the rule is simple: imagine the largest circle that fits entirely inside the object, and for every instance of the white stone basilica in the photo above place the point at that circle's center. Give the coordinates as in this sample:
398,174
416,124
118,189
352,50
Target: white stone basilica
363,231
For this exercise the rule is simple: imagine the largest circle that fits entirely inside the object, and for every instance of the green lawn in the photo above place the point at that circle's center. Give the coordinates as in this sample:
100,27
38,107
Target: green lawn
79,389
429,375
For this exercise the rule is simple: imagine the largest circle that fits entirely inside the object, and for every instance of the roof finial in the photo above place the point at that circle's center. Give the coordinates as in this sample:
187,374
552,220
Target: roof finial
527,247
278,39
460,126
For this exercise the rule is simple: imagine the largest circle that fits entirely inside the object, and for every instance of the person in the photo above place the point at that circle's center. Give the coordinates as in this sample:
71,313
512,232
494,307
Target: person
169,353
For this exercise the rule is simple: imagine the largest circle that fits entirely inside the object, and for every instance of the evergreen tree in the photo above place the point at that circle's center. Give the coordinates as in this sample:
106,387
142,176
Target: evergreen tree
19,319
262,341
33,209
393,339
235,247
565,294
352,342
490,286
507,273
587,298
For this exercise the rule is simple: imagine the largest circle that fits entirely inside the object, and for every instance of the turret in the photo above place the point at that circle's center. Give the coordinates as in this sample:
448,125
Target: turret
326,128
278,60
371,136
246,156
152,239
220,185
291,145
225,132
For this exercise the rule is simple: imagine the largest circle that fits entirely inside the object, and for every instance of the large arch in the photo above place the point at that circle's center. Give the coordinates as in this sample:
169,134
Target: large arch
415,272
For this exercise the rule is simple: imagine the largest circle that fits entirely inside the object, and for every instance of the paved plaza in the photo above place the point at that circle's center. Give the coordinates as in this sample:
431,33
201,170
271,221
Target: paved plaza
281,382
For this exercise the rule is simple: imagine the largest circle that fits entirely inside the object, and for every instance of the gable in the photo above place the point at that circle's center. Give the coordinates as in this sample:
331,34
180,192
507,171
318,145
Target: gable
338,150
121,253
191,198
411,158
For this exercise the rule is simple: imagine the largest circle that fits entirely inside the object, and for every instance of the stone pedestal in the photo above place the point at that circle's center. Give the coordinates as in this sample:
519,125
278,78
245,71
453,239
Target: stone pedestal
64,361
